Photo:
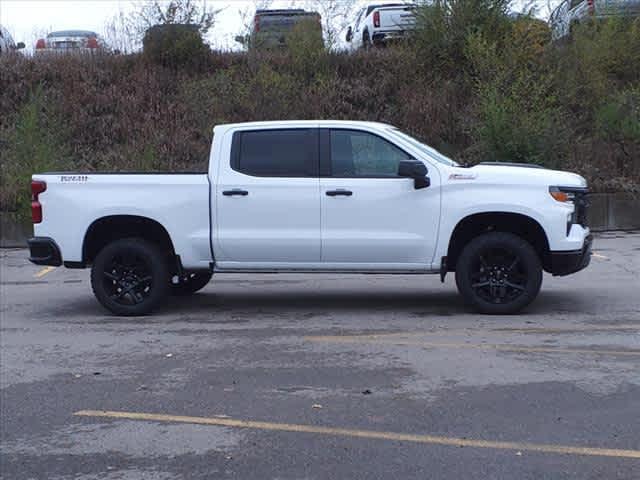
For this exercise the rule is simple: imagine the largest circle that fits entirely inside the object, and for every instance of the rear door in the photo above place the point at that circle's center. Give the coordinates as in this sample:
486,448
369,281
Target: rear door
267,200
372,219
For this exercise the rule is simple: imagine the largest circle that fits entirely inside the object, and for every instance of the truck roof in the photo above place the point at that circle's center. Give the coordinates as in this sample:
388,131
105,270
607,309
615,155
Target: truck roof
281,11
301,123
72,33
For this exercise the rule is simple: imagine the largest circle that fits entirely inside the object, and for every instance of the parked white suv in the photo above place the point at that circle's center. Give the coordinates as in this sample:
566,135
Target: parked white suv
572,12
314,196
70,41
378,24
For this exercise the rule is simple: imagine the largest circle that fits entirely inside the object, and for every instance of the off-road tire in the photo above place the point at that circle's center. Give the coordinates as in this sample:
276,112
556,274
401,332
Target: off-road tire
366,41
130,277
498,273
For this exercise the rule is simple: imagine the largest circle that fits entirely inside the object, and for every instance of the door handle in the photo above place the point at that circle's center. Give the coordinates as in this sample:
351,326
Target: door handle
235,191
340,191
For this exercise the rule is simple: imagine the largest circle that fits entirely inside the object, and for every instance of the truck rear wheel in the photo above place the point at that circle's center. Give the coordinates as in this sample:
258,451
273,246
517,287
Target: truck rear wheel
498,273
130,277
189,283
366,41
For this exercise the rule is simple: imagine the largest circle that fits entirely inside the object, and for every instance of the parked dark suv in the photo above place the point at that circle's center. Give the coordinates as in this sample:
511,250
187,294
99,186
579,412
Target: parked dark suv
272,27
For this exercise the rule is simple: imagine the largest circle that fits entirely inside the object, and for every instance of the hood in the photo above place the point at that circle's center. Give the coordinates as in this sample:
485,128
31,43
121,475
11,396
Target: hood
513,173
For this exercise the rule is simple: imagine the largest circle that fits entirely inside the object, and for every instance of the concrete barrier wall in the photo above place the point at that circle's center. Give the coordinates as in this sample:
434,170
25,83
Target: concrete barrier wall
614,211
13,233
608,211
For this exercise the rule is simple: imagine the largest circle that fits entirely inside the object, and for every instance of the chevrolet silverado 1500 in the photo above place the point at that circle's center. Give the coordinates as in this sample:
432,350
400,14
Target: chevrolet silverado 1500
314,196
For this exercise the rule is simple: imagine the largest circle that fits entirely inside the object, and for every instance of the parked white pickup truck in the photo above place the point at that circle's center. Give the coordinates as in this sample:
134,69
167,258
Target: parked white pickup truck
570,13
314,196
377,24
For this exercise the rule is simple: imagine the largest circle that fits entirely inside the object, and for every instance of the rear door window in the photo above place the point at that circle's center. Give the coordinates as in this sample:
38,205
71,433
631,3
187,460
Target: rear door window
276,153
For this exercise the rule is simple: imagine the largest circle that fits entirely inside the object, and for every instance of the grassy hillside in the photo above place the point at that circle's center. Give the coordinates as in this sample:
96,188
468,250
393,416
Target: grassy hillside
495,90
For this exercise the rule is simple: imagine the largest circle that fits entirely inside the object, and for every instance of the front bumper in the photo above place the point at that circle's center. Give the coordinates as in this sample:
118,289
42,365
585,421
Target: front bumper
44,251
566,263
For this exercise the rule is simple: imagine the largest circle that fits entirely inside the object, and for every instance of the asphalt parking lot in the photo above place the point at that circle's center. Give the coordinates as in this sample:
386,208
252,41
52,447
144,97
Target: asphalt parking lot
327,376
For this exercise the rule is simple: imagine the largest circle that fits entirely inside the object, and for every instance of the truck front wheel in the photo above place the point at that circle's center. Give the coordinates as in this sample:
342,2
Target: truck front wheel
130,277
498,273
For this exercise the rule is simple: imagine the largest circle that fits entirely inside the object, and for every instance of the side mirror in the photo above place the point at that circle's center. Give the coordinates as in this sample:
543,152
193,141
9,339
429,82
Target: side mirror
414,169
20,45
241,39
349,34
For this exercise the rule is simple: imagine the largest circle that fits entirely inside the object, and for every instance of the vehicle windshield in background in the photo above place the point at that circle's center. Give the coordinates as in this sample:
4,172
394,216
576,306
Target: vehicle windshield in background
430,151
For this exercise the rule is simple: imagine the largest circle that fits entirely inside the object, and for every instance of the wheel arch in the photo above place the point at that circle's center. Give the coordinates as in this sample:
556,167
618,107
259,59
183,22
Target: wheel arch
109,228
518,224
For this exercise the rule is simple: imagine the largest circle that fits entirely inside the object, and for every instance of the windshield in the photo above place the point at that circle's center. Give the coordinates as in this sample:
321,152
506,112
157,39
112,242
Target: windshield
431,152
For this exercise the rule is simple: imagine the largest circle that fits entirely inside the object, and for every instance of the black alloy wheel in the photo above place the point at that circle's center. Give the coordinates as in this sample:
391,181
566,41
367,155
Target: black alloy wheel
499,273
130,277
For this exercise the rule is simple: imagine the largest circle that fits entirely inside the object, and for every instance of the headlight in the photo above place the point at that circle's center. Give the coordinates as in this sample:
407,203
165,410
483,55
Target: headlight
576,197
563,195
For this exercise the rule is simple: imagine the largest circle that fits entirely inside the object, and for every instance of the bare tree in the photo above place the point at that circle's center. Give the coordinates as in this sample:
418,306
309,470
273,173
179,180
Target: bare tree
157,12
246,18
336,16
119,34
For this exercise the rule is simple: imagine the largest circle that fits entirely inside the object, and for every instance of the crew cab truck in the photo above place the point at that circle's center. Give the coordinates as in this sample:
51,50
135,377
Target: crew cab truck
314,196
378,24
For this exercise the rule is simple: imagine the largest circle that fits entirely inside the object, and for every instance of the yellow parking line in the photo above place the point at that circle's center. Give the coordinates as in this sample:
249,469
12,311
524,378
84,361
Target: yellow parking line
539,330
481,346
370,434
597,255
44,271
604,328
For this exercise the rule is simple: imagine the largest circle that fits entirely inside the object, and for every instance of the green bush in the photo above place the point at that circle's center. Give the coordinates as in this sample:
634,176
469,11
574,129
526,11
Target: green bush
519,124
37,143
175,46
444,26
519,117
305,46
618,122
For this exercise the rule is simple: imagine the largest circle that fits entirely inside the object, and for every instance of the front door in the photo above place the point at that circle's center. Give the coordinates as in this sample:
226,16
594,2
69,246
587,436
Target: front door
267,201
372,218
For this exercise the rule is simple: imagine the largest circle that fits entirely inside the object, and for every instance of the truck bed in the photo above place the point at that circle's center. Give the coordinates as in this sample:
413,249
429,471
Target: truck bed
179,201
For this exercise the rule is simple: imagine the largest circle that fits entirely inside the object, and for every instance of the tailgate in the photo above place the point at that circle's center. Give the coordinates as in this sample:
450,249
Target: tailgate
397,17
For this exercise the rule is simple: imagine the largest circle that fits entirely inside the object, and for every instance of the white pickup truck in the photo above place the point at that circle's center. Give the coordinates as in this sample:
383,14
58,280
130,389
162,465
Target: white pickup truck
378,24
314,196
